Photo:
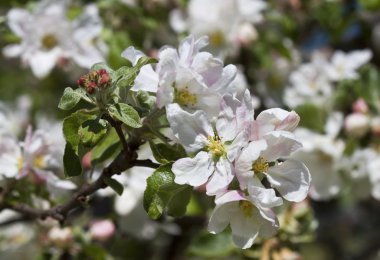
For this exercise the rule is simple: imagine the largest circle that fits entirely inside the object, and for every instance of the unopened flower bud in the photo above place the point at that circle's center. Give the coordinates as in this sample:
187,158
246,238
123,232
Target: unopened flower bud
357,124
105,78
81,81
60,237
375,126
102,230
360,106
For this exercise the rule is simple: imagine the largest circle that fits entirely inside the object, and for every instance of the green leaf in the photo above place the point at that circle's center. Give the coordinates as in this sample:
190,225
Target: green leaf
126,114
71,162
125,76
71,125
164,153
115,185
312,117
164,195
101,65
91,131
69,99
206,245
106,148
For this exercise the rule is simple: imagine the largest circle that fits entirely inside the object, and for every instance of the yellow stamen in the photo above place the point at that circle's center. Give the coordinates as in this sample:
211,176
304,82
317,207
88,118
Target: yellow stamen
216,147
260,165
39,162
20,163
49,41
216,38
184,97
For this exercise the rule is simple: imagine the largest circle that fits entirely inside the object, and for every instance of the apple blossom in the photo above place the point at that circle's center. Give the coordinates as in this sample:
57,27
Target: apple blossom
48,36
247,216
216,149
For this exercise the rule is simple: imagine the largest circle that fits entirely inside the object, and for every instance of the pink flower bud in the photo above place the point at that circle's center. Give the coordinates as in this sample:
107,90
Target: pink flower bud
360,106
102,230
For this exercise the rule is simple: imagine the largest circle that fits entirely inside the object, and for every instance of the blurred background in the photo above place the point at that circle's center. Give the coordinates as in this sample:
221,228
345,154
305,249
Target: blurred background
317,57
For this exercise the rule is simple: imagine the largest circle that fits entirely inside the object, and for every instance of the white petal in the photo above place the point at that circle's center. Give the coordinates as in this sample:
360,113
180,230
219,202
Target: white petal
245,229
13,50
220,218
280,144
282,119
132,55
209,67
221,178
233,195
262,196
193,171
228,75
291,178
42,63
146,80
191,129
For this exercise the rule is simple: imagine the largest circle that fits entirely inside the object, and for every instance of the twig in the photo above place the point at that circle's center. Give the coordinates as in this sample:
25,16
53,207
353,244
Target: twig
147,163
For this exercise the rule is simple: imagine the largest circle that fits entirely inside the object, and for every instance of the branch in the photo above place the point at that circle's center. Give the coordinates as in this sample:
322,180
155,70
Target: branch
117,125
147,163
121,163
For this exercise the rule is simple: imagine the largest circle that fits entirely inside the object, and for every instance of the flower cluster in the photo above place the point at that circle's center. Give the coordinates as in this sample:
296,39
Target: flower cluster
95,80
227,144
49,38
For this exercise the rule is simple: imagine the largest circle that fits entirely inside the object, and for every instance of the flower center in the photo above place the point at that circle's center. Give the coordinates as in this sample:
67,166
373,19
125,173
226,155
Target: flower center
216,147
39,162
216,38
20,163
260,165
246,208
184,97
49,41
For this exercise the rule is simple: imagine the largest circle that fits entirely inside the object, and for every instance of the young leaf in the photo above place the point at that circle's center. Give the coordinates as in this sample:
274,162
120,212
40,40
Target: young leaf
91,131
71,125
69,99
106,148
115,185
71,162
126,114
101,65
164,195
164,153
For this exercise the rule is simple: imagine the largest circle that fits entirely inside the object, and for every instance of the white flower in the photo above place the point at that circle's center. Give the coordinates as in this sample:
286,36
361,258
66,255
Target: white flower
357,124
248,216
48,36
216,150
321,154
290,178
309,83
35,156
228,23
344,65
188,77
13,119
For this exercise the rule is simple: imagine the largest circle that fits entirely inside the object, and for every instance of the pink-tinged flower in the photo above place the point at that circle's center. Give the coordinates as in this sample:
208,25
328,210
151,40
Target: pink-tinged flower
216,144
48,36
249,216
274,119
267,158
345,65
360,106
102,230
36,157
189,77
